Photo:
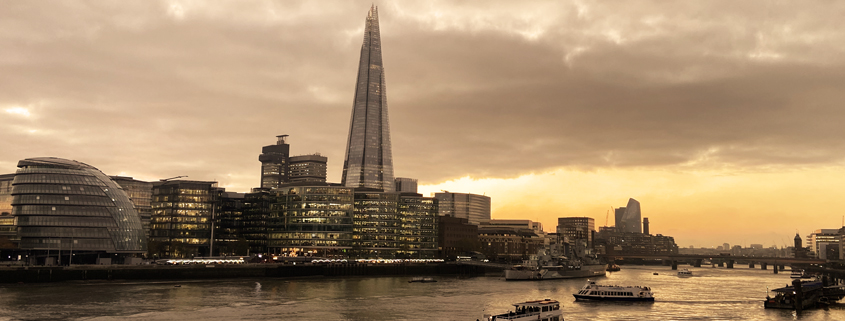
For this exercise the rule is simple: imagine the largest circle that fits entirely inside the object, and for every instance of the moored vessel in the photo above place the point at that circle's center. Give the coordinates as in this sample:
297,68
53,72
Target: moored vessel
597,292
422,280
546,310
685,273
546,266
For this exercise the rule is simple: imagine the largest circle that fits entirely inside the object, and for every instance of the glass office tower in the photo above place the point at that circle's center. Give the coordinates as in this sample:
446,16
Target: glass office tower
369,162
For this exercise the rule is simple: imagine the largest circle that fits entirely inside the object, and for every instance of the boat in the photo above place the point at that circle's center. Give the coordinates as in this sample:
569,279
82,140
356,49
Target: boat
613,268
548,310
797,274
547,266
422,280
801,295
655,273
593,291
685,273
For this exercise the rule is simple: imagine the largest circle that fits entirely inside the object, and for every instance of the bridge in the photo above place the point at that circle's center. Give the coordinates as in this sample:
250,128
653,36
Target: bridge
720,260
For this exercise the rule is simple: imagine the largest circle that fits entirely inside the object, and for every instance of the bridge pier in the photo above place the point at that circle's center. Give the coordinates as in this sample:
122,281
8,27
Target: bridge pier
721,263
764,266
730,264
780,267
697,263
674,265
751,265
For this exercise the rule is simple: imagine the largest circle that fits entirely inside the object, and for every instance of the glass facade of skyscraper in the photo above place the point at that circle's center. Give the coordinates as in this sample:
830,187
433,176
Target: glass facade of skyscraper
180,225
369,161
473,207
311,221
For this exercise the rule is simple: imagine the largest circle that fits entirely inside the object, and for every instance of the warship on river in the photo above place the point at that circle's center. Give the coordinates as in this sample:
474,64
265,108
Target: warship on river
549,265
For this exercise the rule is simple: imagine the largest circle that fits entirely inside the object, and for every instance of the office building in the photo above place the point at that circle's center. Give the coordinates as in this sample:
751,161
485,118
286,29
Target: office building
313,220
140,193
473,207
631,219
8,228
274,163
228,224
180,224
69,206
820,238
369,161
406,185
279,168
418,227
377,223
575,229
456,236
307,168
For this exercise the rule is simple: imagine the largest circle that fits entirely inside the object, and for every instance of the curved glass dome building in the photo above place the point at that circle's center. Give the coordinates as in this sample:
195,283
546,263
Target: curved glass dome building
65,205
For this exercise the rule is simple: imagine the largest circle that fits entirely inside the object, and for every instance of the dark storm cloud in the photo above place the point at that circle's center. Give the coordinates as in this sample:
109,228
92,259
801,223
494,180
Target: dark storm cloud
161,89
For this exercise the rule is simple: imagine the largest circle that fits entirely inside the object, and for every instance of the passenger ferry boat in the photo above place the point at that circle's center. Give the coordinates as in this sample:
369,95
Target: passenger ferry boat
685,273
544,310
593,291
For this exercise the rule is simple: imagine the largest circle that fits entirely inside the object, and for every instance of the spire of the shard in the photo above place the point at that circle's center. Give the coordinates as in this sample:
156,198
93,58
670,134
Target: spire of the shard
369,161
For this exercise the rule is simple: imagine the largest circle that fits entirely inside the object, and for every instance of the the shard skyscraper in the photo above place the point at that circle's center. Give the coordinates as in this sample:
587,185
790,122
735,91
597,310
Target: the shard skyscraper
369,161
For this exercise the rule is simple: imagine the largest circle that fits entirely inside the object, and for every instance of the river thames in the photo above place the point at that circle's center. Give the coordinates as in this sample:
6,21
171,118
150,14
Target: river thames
712,294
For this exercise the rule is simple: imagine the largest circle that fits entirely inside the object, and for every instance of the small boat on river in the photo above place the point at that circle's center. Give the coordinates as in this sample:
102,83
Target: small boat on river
546,310
593,291
422,280
685,273
613,268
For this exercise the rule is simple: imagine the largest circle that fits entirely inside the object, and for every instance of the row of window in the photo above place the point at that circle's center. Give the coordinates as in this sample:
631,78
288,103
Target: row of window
62,200
57,179
58,189
80,244
62,210
63,232
66,221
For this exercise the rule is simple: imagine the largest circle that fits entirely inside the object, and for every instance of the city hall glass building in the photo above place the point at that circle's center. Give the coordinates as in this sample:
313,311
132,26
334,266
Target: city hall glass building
369,162
65,205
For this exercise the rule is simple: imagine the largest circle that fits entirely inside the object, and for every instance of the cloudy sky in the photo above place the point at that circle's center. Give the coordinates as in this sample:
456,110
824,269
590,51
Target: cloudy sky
724,119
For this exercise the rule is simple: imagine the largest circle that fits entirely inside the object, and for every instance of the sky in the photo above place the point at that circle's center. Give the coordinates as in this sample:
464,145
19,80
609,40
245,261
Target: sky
723,119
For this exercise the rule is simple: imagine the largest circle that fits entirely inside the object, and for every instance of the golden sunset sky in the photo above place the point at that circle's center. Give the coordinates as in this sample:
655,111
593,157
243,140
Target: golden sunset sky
723,118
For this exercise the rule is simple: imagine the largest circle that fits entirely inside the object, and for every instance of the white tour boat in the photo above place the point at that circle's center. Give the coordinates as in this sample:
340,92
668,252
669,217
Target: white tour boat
593,291
544,310
685,273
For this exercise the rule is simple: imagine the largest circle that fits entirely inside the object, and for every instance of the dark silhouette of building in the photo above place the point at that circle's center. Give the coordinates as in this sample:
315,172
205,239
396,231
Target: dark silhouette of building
274,163
279,168
632,218
456,236
645,226
228,225
369,161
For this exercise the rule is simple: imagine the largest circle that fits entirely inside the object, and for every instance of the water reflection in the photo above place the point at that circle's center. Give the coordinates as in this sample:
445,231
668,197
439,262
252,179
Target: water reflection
713,294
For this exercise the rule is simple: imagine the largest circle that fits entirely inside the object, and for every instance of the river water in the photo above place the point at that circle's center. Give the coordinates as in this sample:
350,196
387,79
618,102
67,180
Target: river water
712,294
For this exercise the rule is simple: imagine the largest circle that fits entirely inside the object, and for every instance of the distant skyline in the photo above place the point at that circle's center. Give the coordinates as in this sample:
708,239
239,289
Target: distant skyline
723,119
